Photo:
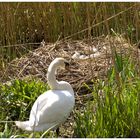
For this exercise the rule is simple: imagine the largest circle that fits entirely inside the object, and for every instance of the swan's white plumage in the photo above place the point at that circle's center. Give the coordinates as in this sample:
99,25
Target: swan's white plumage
52,107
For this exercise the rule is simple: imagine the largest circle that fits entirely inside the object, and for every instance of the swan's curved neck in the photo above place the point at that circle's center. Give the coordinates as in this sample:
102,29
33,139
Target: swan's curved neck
53,83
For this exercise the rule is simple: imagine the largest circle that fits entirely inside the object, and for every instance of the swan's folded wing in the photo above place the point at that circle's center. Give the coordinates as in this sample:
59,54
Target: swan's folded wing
50,107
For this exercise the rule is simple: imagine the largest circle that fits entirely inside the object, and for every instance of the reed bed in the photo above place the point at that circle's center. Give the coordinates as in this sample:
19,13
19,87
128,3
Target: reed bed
23,23
33,22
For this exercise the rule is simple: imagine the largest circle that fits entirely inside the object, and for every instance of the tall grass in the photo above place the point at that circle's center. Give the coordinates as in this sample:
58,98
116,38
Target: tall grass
115,111
23,23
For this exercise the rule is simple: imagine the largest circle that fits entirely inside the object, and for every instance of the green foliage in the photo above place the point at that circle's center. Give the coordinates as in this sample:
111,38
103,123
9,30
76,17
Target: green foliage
115,111
125,66
16,101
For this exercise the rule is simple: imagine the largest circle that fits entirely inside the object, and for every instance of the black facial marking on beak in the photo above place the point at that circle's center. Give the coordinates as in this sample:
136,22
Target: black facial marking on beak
67,65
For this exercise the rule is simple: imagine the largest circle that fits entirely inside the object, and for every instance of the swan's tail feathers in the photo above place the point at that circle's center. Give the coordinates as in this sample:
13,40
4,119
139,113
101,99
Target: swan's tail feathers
24,125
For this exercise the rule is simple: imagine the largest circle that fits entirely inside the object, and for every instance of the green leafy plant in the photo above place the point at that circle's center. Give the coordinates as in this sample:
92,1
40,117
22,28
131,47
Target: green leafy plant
114,111
16,101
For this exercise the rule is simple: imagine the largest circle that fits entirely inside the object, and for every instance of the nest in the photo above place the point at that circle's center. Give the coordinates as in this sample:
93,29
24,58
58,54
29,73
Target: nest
36,62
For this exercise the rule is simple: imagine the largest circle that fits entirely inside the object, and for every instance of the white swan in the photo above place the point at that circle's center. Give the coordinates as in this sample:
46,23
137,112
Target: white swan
52,107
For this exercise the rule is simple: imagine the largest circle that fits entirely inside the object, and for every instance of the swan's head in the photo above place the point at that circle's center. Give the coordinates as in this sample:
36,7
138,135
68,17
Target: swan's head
61,62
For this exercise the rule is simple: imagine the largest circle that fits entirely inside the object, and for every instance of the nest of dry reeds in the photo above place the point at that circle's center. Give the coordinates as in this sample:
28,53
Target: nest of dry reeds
36,62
